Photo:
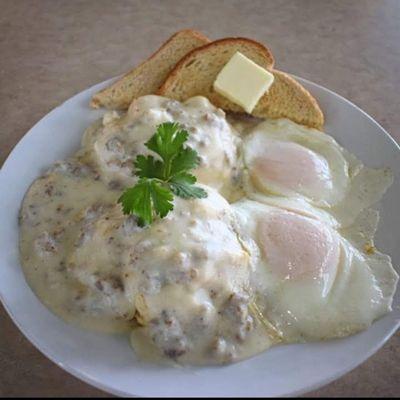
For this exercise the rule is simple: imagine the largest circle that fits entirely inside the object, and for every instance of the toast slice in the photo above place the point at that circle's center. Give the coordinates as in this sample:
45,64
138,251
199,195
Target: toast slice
197,71
286,98
149,75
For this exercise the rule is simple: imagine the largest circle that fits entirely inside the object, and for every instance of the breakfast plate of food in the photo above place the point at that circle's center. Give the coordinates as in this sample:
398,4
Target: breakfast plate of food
204,225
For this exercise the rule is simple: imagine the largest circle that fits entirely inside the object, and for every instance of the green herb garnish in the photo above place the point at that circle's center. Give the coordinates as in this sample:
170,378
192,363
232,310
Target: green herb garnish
162,177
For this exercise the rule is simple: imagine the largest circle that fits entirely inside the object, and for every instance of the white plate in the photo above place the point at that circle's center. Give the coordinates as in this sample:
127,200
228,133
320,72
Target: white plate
107,361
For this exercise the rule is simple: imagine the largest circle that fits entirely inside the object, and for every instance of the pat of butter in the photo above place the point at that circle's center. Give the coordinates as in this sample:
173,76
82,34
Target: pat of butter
243,82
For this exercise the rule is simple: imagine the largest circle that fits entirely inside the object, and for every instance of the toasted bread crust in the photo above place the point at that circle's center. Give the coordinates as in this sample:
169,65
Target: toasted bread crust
169,81
287,98
165,74
188,32
107,97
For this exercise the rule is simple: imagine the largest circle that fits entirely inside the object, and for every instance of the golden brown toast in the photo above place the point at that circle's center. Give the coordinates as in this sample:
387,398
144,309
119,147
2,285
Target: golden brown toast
197,71
149,75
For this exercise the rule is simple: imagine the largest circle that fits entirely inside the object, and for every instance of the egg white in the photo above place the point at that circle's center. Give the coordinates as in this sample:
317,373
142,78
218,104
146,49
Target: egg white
306,304
287,162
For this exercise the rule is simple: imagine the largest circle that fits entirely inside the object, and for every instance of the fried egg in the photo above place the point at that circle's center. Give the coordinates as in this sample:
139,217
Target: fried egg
285,160
314,282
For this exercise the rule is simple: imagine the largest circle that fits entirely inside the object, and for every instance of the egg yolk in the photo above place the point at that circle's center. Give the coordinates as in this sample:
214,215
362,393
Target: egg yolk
296,247
290,166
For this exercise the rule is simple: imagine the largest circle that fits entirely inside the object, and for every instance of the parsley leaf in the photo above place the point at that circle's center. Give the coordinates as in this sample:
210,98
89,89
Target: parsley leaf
167,142
162,199
137,200
148,167
185,160
182,186
140,198
161,178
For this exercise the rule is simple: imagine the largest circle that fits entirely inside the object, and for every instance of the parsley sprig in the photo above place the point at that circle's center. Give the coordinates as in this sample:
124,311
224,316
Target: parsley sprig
163,176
